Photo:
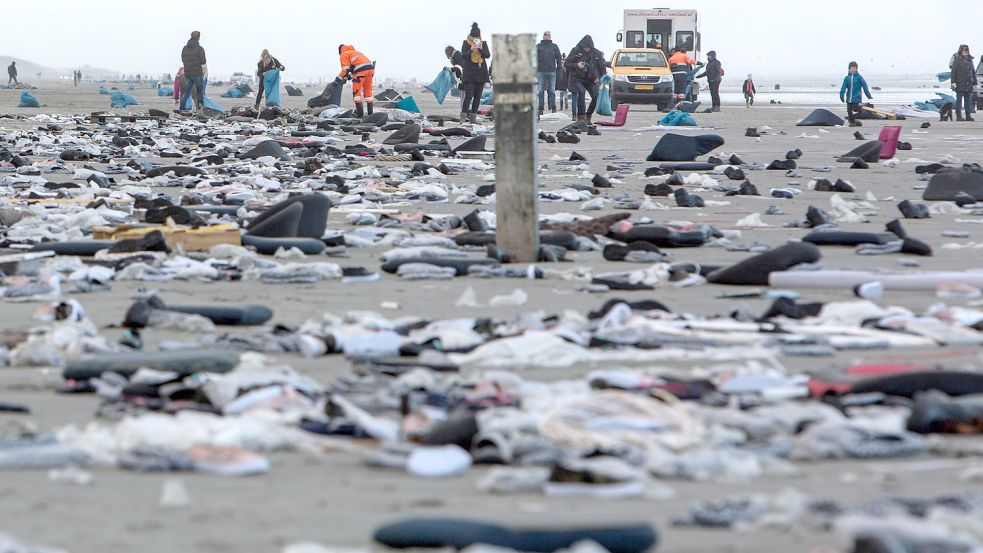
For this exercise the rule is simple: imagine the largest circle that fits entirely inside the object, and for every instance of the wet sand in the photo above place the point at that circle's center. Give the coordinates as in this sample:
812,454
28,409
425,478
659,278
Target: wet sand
336,501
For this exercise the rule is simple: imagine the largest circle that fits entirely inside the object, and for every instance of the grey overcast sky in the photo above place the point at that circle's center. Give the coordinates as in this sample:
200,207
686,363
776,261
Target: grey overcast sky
814,38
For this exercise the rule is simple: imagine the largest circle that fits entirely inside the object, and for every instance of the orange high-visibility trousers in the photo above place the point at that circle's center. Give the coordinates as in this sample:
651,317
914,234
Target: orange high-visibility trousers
362,86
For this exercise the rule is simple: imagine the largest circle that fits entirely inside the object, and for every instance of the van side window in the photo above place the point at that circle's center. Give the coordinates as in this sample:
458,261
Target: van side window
634,39
653,40
684,39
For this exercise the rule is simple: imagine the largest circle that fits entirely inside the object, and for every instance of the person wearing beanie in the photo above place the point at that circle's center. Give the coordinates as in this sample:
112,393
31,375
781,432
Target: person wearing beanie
964,82
586,66
852,91
361,70
749,91
457,67
475,72
195,70
548,62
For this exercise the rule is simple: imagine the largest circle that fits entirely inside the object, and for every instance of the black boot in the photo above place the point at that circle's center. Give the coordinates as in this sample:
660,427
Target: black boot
358,111
368,108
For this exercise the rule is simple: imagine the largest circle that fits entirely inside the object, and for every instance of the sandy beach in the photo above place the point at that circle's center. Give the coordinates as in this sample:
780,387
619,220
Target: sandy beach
335,500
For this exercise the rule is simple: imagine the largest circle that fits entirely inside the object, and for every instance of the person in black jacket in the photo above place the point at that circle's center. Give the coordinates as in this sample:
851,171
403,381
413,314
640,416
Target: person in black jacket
964,82
195,70
585,65
548,60
266,63
456,67
714,74
562,82
475,72
12,73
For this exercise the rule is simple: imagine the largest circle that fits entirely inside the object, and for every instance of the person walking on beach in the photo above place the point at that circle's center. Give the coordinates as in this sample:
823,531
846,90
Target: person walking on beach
12,73
548,61
680,63
852,91
476,73
585,65
457,68
562,81
195,71
749,91
964,81
360,69
266,63
714,73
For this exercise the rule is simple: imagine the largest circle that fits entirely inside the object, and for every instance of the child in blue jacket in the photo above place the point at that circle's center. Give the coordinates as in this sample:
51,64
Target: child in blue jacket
851,93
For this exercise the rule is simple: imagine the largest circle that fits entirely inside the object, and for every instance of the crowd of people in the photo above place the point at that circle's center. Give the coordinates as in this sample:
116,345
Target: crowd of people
576,75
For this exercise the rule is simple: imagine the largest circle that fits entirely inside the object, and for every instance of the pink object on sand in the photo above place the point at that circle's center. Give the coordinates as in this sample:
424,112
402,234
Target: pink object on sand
620,117
889,138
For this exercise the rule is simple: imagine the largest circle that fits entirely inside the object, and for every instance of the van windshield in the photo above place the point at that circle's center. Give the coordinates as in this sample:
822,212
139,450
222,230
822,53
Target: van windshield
641,59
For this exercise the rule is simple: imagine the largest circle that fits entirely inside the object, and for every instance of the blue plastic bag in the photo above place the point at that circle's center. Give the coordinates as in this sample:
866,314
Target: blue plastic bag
408,104
28,101
232,92
165,91
487,98
604,97
676,118
271,87
120,100
211,104
442,85
104,90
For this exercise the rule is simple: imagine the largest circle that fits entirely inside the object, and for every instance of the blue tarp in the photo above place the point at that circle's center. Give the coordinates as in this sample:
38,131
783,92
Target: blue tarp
408,104
926,106
211,104
165,91
232,92
944,76
604,97
104,90
120,100
442,85
131,87
676,118
271,87
28,101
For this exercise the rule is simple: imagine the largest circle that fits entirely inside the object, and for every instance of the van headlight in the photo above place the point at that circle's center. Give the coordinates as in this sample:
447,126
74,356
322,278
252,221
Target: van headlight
622,78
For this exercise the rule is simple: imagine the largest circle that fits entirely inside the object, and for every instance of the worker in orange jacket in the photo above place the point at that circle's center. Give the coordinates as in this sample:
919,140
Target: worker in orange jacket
680,63
357,67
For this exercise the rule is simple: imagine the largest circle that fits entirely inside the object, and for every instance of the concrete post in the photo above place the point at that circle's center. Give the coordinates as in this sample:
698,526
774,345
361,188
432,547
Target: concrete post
517,220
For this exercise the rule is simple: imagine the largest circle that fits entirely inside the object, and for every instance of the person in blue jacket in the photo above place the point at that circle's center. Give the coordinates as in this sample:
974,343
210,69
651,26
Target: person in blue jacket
854,86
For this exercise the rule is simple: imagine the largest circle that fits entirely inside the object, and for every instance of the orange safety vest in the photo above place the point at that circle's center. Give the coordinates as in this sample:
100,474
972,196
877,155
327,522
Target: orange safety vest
353,61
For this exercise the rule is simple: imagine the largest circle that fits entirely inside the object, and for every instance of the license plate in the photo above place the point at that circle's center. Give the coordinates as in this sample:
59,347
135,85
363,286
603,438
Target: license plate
644,87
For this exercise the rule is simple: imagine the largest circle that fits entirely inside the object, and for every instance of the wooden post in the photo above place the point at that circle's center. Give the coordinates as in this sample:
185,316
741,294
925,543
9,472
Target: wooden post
517,220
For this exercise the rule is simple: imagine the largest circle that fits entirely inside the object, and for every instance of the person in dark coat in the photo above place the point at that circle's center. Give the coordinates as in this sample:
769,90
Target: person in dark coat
266,63
548,60
585,66
562,81
714,74
475,72
195,70
12,73
964,82
456,67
